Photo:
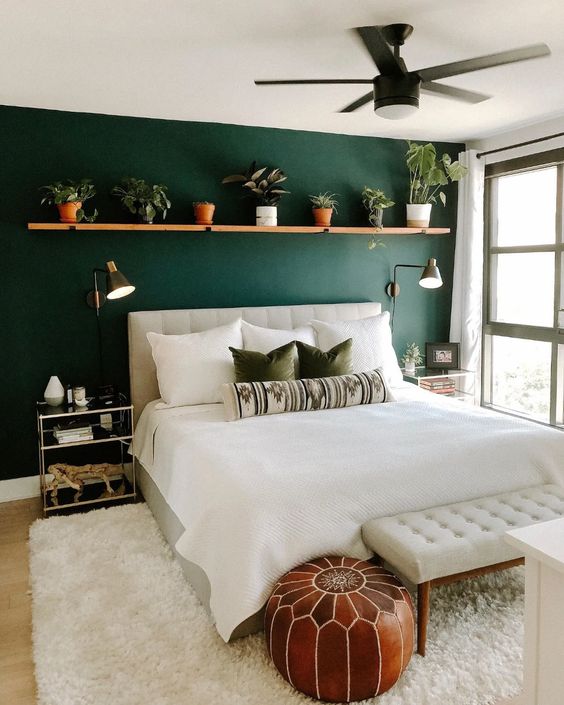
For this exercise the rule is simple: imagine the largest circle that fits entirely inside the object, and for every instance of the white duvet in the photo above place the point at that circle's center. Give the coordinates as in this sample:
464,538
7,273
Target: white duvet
262,495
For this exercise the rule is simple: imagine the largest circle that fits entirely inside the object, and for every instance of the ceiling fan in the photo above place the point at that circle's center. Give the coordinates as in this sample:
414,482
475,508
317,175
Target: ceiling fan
395,90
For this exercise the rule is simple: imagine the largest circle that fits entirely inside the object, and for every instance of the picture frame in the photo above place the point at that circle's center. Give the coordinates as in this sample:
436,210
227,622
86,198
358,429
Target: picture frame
442,356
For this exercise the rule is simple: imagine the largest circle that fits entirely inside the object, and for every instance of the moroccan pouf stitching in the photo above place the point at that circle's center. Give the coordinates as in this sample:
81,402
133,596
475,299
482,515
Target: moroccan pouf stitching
340,629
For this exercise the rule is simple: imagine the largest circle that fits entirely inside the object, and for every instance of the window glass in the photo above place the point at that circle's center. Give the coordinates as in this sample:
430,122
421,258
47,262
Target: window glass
523,288
521,376
526,208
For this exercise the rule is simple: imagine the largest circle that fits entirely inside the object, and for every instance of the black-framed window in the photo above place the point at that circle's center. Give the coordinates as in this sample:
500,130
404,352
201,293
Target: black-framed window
523,329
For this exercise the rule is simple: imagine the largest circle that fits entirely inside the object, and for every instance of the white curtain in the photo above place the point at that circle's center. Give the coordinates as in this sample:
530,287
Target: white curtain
466,312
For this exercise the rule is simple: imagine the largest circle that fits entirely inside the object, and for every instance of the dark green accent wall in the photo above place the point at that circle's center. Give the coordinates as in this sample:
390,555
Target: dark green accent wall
48,329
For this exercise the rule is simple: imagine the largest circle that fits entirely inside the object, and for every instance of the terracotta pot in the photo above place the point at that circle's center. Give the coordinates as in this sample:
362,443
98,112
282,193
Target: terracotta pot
418,215
322,216
67,211
203,213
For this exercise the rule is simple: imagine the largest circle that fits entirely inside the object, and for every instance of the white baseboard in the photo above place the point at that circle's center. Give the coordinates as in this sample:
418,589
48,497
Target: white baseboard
19,488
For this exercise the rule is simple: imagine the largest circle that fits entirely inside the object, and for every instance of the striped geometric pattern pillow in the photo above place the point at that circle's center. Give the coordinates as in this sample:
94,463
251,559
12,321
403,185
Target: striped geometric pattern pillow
246,399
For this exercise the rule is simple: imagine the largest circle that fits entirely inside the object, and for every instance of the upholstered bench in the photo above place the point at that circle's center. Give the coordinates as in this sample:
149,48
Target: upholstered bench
444,544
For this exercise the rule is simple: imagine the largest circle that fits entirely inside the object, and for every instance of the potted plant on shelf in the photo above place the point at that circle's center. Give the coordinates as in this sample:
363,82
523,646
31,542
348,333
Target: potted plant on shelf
324,205
203,212
264,185
375,201
411,358
68,197
427,175
140,198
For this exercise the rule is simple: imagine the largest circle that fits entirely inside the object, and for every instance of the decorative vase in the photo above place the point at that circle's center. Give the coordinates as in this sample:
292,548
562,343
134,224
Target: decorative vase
418,215
267,216
203,213
54,392
322,216
409,368
67,211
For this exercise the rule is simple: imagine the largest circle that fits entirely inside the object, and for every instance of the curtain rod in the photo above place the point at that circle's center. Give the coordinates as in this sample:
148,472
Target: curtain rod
520,144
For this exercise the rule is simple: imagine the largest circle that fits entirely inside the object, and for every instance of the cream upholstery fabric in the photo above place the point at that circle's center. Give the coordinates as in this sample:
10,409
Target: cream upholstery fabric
459,537
142,374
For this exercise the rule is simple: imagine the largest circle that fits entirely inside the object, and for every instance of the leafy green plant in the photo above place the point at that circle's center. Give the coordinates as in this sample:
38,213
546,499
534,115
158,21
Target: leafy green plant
375,200
70,192
412,354
143,199
263,184
427,174
325,200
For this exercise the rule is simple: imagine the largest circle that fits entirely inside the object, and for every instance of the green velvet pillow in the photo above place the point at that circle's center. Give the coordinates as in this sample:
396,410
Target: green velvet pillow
316,363
275,366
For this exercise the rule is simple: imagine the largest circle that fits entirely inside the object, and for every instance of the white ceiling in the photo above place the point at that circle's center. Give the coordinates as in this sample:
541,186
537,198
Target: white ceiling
196,60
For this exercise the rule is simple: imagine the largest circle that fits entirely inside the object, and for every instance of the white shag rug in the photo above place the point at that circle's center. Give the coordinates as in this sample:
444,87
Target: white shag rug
115,622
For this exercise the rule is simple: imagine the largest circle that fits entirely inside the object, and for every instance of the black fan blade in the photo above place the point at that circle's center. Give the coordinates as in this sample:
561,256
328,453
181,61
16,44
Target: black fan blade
380,51
358,103
456,68
313,81
452,92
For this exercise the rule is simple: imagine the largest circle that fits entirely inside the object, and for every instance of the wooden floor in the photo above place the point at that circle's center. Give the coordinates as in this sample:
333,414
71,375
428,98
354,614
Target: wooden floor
17,682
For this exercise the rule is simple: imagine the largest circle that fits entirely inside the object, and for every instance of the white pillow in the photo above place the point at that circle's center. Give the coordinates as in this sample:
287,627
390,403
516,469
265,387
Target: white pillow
264,340
191,368
372,343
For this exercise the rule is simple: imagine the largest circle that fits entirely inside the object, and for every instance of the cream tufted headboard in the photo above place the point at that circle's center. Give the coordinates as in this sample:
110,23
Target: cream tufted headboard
142,374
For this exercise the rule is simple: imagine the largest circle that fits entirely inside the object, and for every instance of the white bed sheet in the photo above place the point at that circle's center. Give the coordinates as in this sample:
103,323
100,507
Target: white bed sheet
262,495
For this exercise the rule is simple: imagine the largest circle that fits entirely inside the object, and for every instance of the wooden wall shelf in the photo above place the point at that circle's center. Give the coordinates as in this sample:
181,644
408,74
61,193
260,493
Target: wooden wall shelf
172,227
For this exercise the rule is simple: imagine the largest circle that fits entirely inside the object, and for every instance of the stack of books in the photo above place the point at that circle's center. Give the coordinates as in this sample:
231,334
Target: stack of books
73,432
444,385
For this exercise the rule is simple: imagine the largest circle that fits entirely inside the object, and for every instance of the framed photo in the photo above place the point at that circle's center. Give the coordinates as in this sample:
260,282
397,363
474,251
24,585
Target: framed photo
442,356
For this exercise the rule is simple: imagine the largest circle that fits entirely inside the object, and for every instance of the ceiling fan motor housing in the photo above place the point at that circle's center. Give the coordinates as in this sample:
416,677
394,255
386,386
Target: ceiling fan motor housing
397,89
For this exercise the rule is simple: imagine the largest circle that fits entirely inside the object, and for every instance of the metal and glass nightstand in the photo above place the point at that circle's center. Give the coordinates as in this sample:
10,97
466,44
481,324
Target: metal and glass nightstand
458,384
93,443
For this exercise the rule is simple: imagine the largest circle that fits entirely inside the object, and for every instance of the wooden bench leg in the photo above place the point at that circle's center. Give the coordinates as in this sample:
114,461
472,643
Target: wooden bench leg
423,590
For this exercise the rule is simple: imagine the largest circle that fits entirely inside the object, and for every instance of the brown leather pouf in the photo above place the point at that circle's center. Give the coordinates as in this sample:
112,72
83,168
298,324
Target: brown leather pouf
340,629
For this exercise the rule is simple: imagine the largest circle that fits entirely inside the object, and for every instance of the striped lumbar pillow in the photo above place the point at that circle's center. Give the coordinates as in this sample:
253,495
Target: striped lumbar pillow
257,398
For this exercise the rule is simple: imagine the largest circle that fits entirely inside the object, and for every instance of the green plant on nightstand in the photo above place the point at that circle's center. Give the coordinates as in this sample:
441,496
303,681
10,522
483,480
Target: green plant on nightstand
69,196
143,199
411,358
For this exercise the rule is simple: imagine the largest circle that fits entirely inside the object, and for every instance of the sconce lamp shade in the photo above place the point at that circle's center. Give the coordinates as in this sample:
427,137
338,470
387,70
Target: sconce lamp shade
431,276
117,286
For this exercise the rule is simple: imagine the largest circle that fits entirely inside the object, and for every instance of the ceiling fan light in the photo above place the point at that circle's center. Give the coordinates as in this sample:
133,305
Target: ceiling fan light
395,111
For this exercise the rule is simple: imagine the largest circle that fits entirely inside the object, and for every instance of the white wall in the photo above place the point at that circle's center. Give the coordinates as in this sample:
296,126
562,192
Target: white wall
531,132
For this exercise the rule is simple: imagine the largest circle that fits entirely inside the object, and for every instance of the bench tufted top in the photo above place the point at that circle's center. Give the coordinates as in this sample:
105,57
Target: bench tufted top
458,537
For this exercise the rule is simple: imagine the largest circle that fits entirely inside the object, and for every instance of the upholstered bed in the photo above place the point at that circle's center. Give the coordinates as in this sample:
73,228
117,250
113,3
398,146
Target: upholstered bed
242,502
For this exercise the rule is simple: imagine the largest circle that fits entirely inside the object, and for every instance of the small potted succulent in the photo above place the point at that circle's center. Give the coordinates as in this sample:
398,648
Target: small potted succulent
324,205
143,199
69,196
264,185
375,201
427,175
203,212
411,358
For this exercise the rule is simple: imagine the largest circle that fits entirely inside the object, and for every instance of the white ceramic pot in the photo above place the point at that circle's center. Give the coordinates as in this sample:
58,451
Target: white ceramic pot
267,215
54,392
409,368
418,215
